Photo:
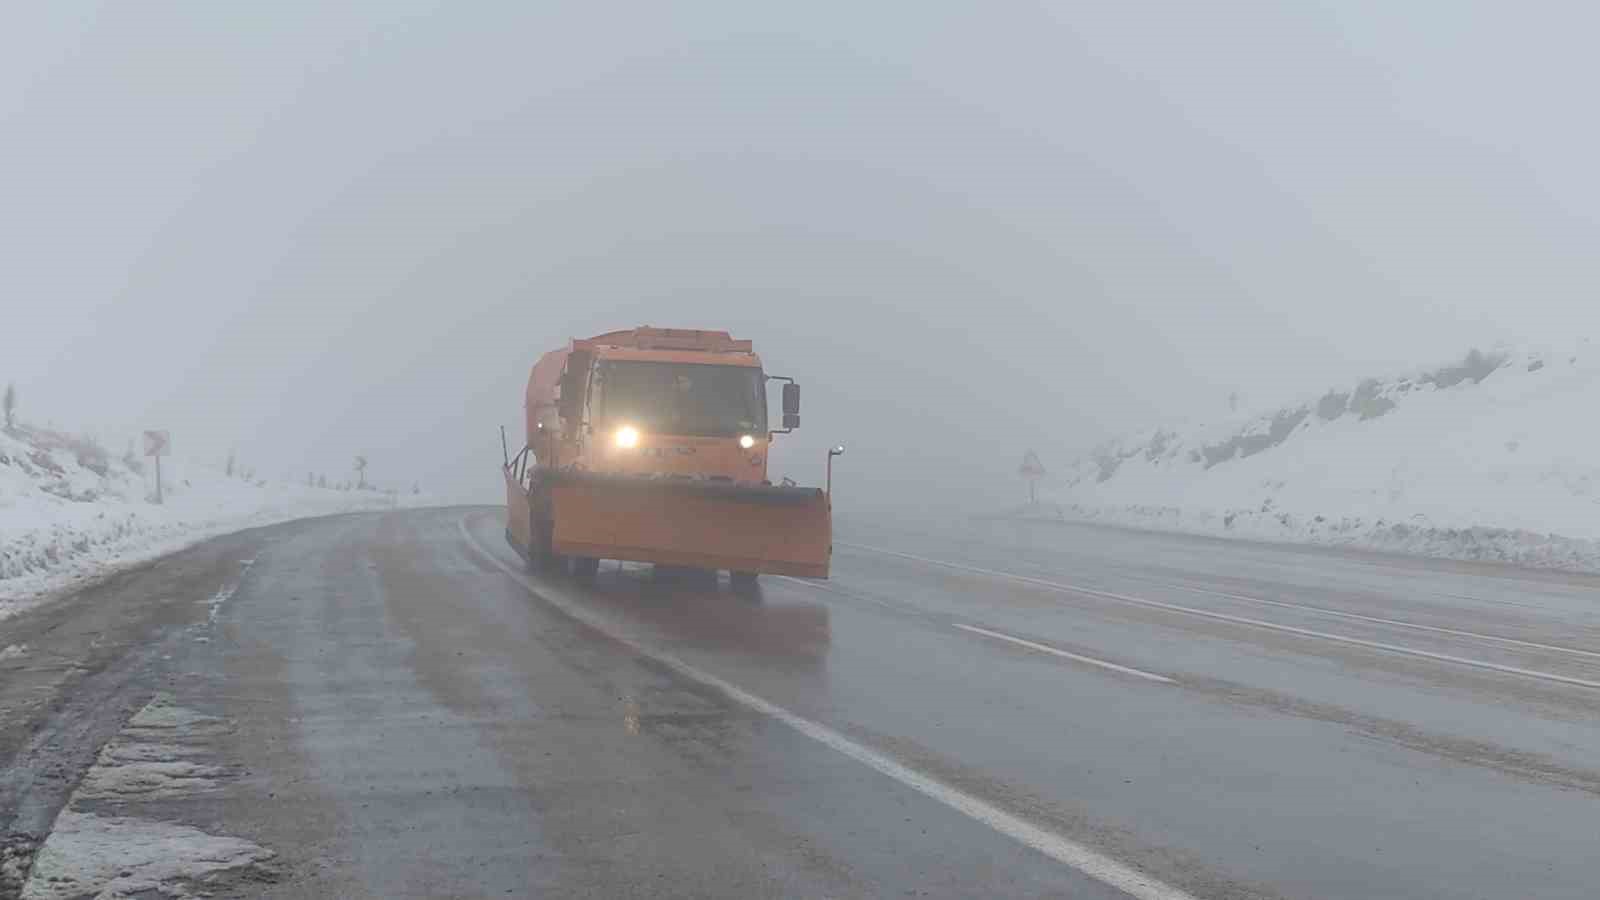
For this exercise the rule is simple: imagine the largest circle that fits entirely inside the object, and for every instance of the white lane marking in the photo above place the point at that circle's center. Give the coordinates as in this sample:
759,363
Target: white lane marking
1242,620
1322,610
217,599
829,589
1063,850
1045,648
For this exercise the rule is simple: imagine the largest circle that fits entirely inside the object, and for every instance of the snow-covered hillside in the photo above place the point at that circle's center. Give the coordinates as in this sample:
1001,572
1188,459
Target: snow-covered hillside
70,511
1496,456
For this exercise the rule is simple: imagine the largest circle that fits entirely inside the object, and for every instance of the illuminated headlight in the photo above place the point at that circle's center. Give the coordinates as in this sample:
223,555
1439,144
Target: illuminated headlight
627,437
746,441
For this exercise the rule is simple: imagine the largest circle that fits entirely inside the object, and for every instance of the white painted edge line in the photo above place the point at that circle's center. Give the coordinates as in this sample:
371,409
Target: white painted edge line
1242,620
1046,648
836,591
223,595
1091,863
1362,617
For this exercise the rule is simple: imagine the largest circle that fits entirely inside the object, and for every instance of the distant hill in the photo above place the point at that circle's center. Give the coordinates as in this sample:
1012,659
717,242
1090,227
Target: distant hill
1495,455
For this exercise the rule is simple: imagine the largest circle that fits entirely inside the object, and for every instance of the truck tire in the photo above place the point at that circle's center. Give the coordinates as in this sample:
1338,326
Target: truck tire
542,556
527,560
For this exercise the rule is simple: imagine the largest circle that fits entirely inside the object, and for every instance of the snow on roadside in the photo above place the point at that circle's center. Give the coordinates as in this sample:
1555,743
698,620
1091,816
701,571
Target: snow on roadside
1495,457
69,512
1412,538
120,856
106,851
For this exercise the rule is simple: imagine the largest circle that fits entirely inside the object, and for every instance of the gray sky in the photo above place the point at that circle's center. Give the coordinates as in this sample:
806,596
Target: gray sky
967,228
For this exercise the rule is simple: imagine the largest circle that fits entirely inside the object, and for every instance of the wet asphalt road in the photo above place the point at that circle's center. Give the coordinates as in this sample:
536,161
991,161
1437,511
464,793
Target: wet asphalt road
384,706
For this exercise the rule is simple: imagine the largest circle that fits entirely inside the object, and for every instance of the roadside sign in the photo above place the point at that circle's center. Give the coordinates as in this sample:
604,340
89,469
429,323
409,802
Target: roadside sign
1033,470
157,443
1031,467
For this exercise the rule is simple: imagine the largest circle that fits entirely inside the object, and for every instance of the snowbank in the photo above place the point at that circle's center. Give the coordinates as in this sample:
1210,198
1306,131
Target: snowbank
69,511
1496,456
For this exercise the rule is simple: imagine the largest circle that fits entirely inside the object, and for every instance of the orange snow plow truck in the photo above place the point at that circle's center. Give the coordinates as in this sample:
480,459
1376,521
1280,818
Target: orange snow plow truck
651,445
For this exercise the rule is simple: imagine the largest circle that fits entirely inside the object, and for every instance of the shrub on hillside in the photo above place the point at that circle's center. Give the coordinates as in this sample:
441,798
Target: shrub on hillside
132,461
41,458
1333,405
1159,444
1278,430
1475,366
1107,463
1368,401
91,455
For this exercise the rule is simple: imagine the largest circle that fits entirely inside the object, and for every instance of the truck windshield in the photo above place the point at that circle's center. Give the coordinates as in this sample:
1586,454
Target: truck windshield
682,398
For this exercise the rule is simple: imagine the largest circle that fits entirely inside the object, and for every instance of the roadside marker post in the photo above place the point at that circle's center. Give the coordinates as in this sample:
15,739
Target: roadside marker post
1032,470
157,444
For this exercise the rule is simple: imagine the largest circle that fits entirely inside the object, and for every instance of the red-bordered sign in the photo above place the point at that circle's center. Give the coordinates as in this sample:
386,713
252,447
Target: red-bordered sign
157,443
1031,467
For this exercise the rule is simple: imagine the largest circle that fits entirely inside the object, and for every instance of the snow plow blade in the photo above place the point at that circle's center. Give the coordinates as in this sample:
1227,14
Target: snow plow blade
693,522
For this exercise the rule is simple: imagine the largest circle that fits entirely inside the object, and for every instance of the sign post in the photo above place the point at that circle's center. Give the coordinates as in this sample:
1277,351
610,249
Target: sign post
1032,470
157,444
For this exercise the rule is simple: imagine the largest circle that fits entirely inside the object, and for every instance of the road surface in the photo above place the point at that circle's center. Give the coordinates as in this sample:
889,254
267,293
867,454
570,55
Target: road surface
385,705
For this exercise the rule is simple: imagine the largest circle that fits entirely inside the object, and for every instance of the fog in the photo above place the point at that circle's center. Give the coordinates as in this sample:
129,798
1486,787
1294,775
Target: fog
967,229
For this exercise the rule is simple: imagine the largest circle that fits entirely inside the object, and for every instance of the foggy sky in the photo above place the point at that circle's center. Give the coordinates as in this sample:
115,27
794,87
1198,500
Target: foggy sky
966,228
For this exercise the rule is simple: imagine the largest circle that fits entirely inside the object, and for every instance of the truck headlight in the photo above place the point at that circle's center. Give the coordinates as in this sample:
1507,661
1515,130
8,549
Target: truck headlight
627,437
746,441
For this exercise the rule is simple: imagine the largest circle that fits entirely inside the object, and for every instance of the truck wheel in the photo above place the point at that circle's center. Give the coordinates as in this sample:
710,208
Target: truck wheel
544,554
542,527
585,566
528,555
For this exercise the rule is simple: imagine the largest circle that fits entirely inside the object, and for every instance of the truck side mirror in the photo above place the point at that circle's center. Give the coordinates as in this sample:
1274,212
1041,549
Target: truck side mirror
791,405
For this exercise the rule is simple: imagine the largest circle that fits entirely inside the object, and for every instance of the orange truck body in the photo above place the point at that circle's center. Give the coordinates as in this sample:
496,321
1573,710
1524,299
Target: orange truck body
651,445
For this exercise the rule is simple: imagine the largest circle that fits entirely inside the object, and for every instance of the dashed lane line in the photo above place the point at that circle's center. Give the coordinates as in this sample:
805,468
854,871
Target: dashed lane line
1055,651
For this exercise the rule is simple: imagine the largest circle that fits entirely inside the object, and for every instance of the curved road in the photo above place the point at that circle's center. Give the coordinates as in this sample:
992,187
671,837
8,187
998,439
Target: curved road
386,705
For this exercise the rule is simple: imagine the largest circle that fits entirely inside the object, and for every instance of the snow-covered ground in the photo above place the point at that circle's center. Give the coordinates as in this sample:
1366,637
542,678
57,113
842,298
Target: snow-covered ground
70,512
1496,456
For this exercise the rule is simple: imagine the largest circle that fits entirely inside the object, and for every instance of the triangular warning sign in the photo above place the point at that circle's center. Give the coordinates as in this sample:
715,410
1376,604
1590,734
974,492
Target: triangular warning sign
1031,467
